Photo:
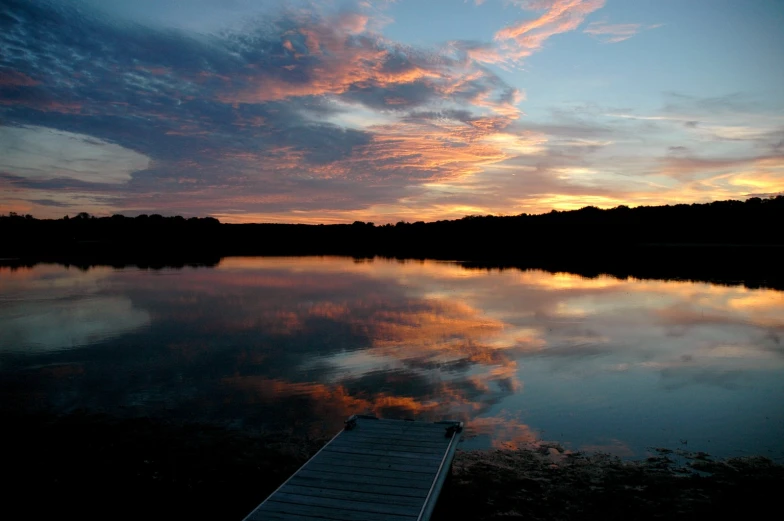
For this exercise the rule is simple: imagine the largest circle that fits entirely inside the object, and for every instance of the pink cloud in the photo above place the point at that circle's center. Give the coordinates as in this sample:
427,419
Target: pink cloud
46,105
9,78
522,39
344,61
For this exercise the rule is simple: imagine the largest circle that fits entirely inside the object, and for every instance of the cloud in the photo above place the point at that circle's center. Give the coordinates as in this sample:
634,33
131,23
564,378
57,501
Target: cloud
251,117
520,40
38,152
680,104
12,78
687,167
52,203
311,114
614,33
311,56
482,52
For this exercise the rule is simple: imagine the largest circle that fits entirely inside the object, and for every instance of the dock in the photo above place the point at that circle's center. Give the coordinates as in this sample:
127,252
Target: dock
372,470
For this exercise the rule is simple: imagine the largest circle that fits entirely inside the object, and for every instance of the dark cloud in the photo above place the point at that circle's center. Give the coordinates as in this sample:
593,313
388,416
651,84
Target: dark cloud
64,184
52,203
395,97
772,142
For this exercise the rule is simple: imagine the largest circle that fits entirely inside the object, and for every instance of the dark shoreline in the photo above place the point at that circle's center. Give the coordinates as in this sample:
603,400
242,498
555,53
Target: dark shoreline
96,465
729,242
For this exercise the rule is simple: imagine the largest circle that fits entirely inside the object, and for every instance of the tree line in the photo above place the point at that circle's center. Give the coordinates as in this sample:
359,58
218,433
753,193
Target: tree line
587,231
723,241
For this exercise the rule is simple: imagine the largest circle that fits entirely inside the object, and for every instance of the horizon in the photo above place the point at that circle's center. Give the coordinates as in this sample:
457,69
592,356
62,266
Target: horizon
335,112
388,223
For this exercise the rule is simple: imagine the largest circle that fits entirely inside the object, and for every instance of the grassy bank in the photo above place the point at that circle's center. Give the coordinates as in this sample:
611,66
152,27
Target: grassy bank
96,466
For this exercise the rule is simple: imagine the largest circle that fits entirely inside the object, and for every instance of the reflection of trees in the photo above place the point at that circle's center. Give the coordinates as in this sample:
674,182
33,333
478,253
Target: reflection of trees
722,240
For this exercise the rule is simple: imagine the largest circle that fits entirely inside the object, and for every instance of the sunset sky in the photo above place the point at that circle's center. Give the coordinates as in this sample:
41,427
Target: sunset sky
335,111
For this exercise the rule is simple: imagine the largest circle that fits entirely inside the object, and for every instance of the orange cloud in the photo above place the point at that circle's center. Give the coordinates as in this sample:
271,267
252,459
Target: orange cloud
520,40
506,433
335,401
344,61
442,150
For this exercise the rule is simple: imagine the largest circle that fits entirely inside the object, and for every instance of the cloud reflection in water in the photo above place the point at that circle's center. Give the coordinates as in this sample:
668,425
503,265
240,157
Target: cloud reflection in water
302,343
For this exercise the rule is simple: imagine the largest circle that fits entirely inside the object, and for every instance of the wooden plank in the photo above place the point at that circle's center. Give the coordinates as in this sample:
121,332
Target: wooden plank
372,452
409,482
359,487
398,433
389,445
359,506
430,441
331,456
423,441
412,435
402,442
403,427
398,428
383,458
362,471
409,426
350,463
405,423
279,516
352,495
329,513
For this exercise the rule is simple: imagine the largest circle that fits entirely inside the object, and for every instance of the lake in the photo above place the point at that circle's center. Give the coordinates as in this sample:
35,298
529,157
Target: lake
299,344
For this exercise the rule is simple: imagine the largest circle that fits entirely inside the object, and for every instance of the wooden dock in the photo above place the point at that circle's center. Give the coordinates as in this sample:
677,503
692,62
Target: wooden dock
373,470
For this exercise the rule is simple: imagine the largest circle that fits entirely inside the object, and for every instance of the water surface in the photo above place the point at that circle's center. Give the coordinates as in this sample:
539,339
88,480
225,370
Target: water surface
301,343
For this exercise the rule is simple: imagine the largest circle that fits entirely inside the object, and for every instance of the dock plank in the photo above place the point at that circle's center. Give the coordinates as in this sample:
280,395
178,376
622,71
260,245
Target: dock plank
385,473
350,464
359,506
426,441
402,424
411,436
400,429
352,495
374,470
327,513
279,516
371,480
352,459
357,486
391,445
385,452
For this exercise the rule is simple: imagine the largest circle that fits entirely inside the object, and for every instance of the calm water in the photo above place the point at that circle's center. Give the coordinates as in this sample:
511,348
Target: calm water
302,343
